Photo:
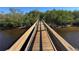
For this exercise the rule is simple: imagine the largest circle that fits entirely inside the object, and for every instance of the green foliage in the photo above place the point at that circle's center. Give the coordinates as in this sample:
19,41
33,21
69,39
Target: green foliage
52,17
59,17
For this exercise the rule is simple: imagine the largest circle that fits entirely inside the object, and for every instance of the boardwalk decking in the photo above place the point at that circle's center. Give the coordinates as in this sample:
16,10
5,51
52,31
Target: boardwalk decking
43,37
37,38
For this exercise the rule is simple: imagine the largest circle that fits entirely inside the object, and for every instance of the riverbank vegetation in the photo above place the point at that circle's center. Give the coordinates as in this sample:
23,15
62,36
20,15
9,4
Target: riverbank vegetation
57,18
16,19
62,18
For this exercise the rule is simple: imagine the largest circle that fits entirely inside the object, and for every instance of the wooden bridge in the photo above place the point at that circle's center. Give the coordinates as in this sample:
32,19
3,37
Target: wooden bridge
41,37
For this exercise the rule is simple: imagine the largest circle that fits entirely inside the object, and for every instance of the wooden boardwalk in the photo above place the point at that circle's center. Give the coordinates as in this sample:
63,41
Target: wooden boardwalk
42,40
37,38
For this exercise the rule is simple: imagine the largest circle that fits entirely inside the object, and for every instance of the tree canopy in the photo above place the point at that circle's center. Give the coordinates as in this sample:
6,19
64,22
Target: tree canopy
52,17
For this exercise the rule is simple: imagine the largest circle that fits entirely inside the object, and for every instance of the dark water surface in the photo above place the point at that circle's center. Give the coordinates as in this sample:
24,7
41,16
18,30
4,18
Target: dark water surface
70,34
8,37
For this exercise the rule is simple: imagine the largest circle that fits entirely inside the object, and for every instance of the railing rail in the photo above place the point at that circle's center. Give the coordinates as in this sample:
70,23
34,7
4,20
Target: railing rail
52,43
20,42
31,39
68,46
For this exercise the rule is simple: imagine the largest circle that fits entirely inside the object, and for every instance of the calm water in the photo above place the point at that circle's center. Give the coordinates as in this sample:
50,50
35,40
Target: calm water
8,37
71,35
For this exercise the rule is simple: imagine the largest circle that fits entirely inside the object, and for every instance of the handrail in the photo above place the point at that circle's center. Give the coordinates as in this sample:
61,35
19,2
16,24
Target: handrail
31,38
19,43
52,42
68,46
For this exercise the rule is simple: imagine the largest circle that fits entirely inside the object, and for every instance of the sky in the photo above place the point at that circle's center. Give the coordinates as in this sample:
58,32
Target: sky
42,9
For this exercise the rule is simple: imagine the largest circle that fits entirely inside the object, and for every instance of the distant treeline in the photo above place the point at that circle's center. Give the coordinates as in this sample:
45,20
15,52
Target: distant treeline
52,17
16,19
62,18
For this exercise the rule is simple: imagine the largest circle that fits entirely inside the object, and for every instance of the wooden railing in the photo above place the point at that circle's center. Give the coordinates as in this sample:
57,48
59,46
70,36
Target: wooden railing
20,42
68,46
31,39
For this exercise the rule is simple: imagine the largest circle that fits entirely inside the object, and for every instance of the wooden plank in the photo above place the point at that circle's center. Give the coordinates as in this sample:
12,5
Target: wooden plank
31,39
36,46
46,44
